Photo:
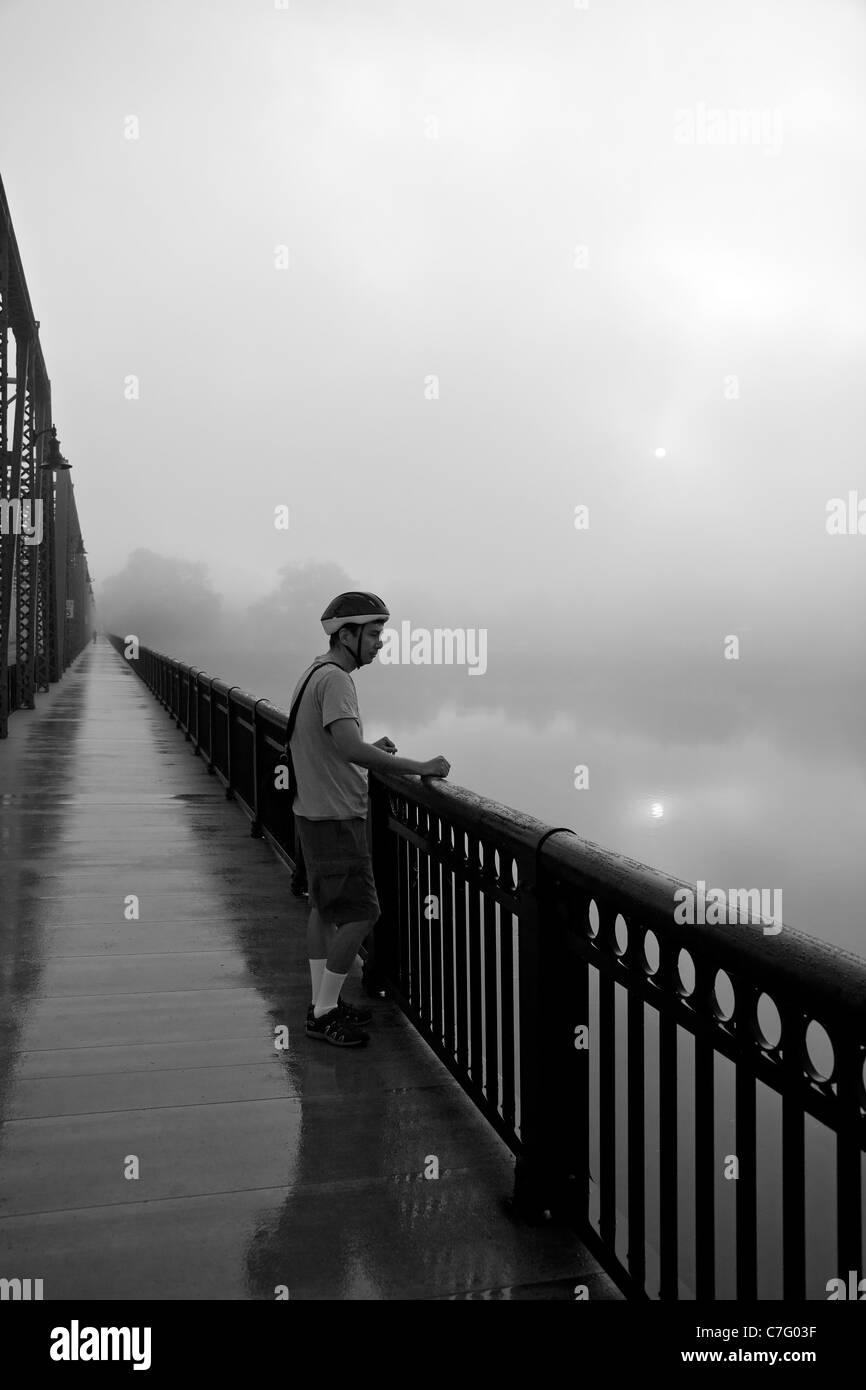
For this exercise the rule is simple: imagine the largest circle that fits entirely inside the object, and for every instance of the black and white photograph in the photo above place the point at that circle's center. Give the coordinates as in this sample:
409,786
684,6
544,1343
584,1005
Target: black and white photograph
432,669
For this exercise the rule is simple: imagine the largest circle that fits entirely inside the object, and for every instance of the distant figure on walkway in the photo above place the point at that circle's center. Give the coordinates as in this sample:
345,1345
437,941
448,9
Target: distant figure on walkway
329,758
94,637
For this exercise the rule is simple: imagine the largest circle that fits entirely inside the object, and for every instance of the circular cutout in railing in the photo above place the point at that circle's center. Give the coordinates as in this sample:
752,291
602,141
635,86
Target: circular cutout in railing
768,1023
515,875
620,933
820,1060
863,1086
594,919
652,954
686,971
724,997
497,865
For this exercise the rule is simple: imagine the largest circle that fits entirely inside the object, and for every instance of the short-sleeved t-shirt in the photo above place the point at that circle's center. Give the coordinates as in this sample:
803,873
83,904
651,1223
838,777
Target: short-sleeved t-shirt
328,787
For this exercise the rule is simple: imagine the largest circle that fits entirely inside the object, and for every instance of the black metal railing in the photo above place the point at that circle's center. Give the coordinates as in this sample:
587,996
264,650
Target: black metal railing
650,1077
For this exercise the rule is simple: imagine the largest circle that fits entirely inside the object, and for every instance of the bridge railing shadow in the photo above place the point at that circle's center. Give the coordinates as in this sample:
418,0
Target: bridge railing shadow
654,1079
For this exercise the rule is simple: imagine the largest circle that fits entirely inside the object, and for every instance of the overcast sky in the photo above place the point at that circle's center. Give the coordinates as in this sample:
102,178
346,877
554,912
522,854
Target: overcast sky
534,204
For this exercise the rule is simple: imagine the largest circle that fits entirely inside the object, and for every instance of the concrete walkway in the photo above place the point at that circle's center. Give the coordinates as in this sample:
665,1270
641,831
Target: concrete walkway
153,1141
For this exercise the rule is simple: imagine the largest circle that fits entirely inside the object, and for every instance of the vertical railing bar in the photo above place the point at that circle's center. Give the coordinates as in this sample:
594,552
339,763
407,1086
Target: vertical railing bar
849,1211
746,1193
447,946
424,925
530,1045
382,971
491,988
607,1094
794,1155
405,921
476,1043
745,1141
579,912
210,723
412,923
434,888
197,738
506,956
636,1135
402,916
226,771
668,1156
705,1142
230,726
793,1190
461,955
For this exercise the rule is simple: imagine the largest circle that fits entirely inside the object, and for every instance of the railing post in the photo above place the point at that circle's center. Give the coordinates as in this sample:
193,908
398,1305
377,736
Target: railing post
230,791
259,774
210,761
178,721
195,696
380,970
550,1117
187,718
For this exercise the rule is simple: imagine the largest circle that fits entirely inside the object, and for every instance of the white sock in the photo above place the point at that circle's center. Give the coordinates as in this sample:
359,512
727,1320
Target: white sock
316,968
329,992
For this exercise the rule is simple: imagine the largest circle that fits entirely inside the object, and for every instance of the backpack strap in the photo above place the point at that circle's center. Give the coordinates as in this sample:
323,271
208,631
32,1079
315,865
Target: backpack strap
290,726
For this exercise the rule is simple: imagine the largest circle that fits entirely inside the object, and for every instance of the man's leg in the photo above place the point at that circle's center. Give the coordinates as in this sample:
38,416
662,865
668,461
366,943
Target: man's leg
320,939
340,956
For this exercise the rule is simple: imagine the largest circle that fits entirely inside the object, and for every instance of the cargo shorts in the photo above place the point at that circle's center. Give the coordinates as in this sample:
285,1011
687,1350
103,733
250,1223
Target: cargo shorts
339,869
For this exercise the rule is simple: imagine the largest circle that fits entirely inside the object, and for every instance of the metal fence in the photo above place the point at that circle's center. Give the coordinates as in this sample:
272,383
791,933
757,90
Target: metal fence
653,1079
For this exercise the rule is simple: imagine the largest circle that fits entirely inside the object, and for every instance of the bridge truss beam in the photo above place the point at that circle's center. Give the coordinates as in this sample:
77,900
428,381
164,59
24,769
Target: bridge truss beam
45,587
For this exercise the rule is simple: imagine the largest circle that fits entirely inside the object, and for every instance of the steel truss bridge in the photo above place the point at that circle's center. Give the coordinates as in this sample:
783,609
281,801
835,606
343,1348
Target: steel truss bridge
46,595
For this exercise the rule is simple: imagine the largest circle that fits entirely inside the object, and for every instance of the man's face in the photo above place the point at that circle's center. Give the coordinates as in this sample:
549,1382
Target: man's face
371,642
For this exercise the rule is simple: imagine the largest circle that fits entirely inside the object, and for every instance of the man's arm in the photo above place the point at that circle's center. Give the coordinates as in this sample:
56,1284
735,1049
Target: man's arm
353,749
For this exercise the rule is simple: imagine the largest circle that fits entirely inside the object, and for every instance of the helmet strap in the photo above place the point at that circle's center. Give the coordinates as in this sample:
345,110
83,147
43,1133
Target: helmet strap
356,654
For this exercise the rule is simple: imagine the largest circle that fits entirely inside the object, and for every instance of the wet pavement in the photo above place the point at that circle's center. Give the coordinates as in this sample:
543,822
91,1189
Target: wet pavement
154,1142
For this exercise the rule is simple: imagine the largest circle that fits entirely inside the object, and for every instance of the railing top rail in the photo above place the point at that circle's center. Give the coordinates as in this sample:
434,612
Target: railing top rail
812,973
272,711
221,687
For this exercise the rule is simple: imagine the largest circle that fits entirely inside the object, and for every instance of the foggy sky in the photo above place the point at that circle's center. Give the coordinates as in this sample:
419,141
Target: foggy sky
454,256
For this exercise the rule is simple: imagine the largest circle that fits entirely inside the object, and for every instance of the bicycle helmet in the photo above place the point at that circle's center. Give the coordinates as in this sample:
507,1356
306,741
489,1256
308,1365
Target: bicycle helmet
356,606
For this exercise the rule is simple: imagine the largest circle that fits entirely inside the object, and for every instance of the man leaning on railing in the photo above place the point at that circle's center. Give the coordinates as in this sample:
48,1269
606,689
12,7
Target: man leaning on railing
330,760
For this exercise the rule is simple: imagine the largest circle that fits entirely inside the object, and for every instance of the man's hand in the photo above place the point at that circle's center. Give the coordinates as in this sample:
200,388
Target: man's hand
385,744
436,767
